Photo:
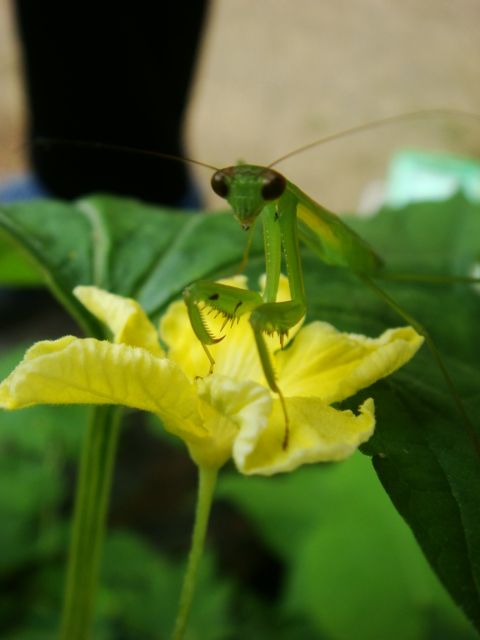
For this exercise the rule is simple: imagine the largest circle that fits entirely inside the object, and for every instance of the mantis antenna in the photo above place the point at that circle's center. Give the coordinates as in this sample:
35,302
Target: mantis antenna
373,124
90,144
378,123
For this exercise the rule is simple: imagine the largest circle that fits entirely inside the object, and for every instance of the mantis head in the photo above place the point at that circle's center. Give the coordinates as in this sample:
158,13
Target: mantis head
247,189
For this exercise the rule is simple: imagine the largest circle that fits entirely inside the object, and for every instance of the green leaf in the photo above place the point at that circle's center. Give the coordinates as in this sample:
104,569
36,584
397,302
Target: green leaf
427,237
15,268
121,245
432,473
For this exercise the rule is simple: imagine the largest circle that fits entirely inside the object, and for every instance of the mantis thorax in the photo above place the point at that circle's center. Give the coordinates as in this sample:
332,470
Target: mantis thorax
247,189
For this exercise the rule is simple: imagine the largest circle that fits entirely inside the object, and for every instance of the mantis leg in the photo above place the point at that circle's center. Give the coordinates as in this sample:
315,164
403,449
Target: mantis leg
230,302
280,230
430,279
246,251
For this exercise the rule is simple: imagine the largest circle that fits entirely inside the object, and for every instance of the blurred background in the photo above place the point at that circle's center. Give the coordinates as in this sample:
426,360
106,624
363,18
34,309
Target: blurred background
270,76
274,75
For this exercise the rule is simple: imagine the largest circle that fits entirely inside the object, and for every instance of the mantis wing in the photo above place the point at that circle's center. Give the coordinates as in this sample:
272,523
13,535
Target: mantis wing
330,238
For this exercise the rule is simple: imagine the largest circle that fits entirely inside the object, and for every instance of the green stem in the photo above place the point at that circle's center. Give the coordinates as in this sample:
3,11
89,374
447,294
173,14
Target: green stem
207,478
91,501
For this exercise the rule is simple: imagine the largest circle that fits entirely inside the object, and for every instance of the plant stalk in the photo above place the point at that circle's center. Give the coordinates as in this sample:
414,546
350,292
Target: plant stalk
91,502
207,478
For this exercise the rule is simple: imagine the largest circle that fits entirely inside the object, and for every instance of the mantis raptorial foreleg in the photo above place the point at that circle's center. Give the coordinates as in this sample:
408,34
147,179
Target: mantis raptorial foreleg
229,302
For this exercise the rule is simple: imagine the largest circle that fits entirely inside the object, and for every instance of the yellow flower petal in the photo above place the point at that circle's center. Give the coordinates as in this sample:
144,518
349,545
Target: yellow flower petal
89,371
124,317
225,406
283,293
317,433
332,366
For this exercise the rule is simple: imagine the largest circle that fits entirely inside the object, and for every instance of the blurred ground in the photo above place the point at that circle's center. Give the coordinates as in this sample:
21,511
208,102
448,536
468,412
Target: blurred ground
274,75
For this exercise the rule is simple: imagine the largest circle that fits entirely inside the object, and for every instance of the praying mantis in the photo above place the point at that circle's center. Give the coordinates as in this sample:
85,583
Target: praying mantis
288,217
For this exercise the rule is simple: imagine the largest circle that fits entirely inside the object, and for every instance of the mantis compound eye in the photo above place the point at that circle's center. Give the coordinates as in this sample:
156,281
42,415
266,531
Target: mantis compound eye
274,184
219,184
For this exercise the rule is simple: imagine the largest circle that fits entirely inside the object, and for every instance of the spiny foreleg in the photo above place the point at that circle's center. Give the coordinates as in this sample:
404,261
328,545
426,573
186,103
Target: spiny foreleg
229,302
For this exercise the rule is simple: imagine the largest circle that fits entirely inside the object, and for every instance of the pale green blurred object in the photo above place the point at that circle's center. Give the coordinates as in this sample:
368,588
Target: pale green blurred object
416,176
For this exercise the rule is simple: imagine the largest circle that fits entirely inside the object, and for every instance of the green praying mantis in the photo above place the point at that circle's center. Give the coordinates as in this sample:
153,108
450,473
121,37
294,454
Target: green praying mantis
289,217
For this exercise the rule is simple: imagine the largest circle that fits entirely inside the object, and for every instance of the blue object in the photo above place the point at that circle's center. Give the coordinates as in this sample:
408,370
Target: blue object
25,187
28,187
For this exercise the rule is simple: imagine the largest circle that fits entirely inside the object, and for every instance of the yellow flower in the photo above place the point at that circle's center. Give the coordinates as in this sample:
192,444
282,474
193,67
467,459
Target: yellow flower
231,412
